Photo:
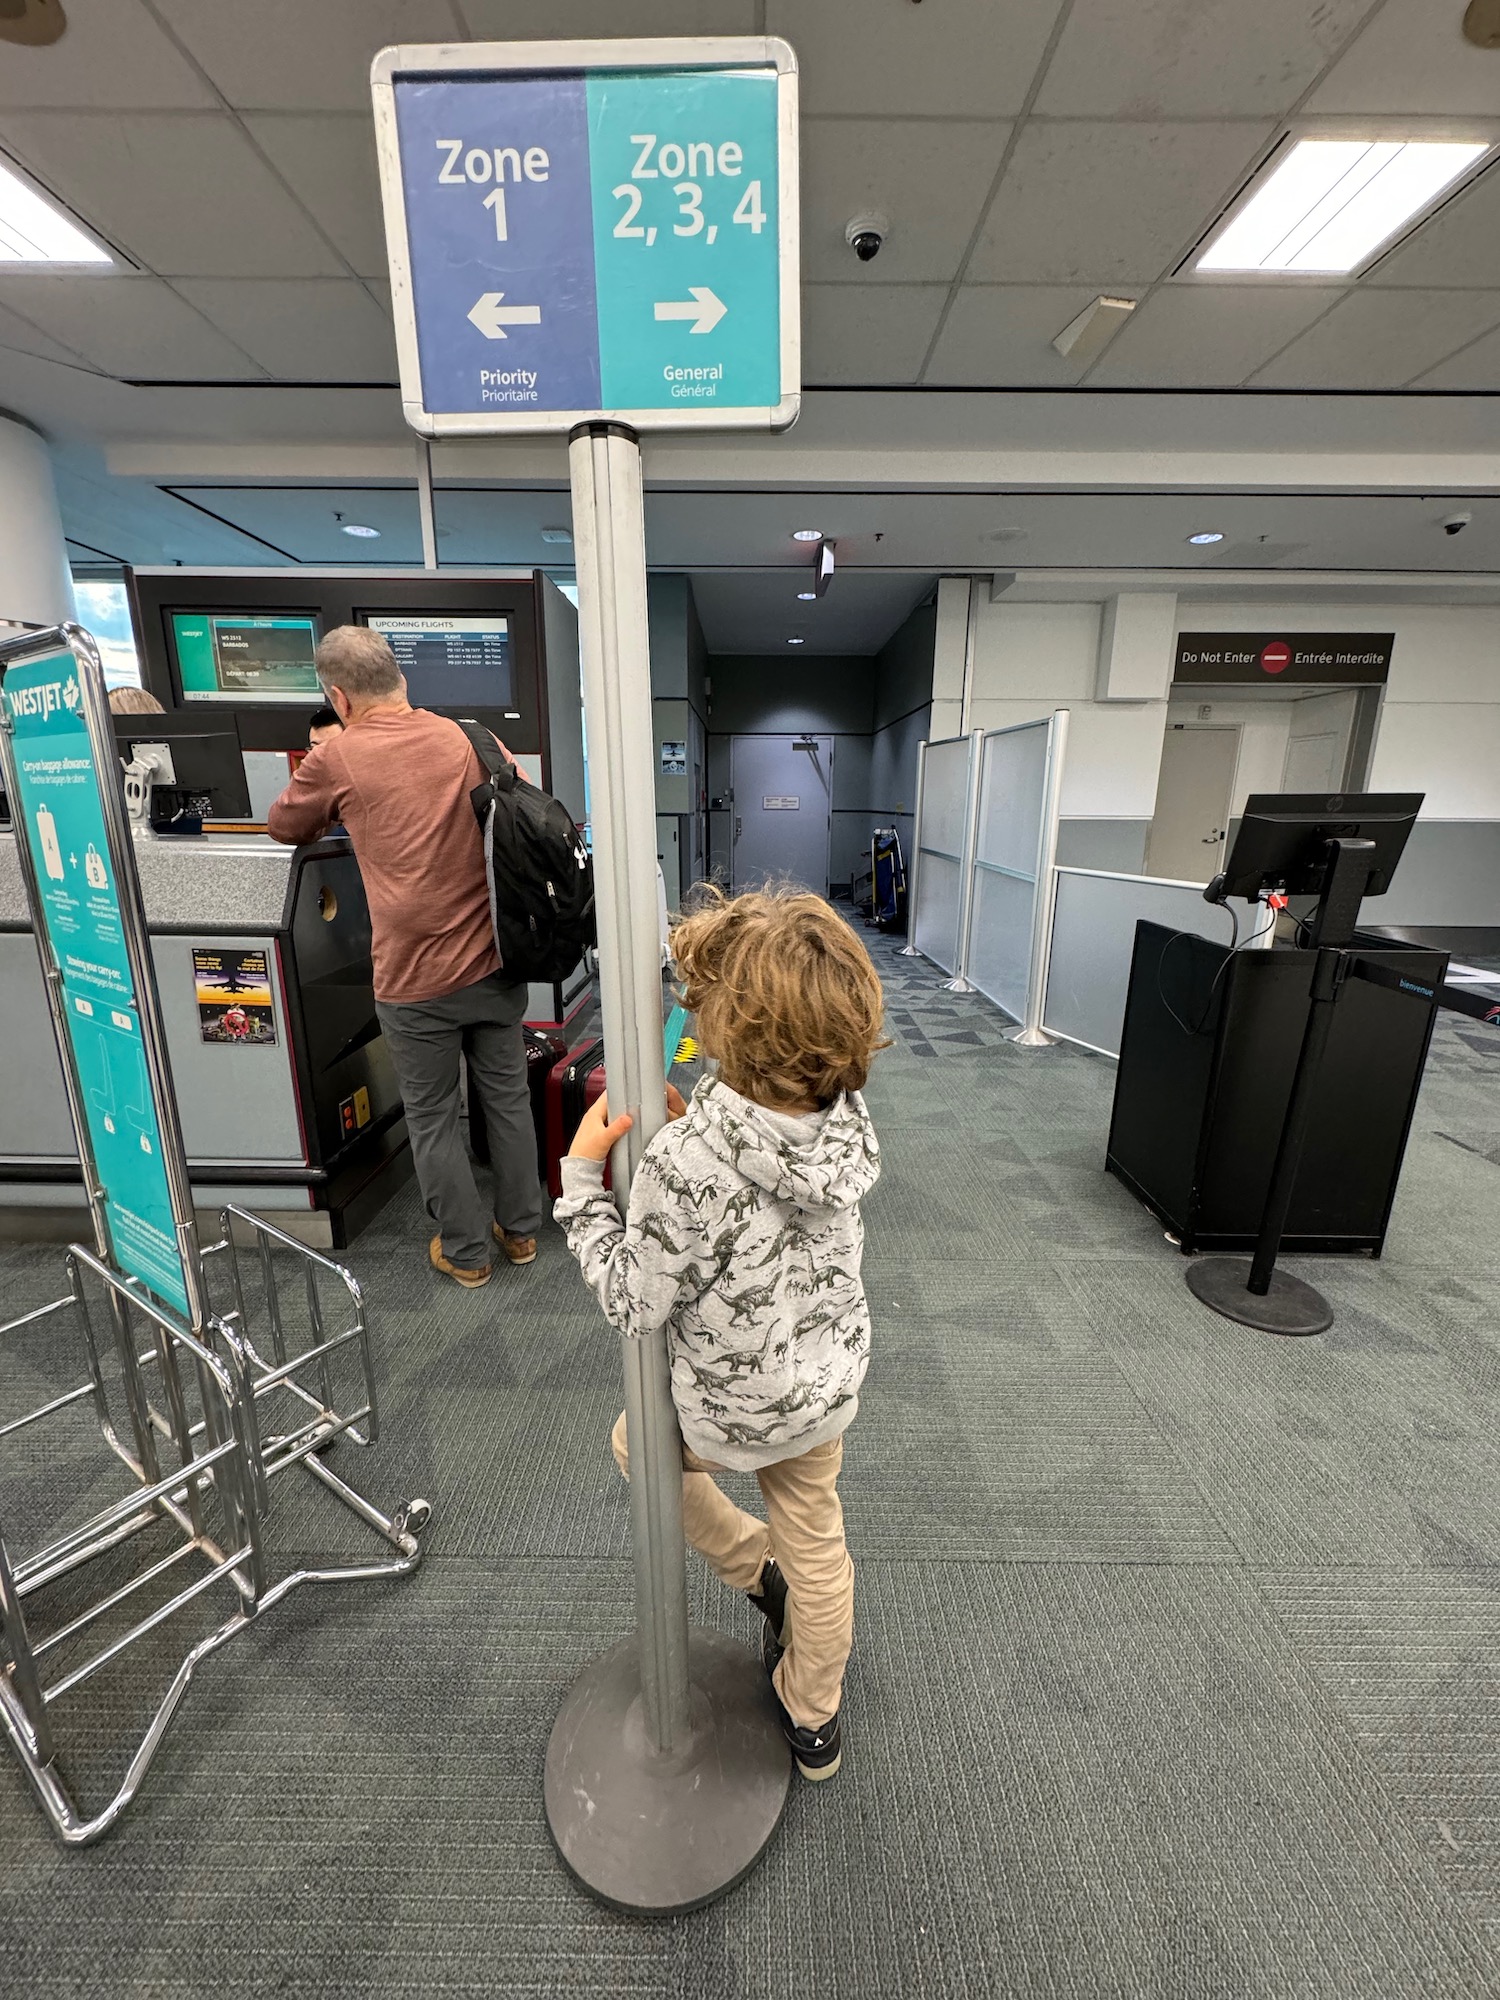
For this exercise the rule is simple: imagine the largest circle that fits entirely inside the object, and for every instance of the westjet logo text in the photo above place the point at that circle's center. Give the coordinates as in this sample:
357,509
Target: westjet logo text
44,700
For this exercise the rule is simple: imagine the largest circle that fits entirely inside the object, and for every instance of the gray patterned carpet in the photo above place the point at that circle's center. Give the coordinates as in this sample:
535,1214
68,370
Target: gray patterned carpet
1176,1668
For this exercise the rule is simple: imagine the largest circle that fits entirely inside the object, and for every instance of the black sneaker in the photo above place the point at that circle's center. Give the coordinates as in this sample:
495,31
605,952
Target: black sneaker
818,1752
770,1601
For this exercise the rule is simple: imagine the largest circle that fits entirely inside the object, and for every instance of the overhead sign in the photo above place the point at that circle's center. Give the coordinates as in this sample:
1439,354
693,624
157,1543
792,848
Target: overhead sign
52,765
592,230
1289,658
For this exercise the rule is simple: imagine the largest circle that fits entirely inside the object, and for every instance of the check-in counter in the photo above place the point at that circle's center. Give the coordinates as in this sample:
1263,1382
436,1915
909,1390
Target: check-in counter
288,1101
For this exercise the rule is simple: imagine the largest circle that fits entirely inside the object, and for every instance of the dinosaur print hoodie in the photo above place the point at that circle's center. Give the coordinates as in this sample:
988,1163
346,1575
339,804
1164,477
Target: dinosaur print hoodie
744,1240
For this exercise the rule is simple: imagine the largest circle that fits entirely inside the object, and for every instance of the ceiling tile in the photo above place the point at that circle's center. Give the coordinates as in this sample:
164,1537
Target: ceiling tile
301,329
185,194
867,333
1000,336
1412,58
113,56
18,335
328,161
1087,203
301,55
304,520
1460,245
1476,367
1202,336
929,179
563,20
1191,58
963,59
132,327
1379,340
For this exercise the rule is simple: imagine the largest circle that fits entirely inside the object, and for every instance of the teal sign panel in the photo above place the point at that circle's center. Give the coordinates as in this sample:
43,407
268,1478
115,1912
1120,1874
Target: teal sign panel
589,243
58,811
685,262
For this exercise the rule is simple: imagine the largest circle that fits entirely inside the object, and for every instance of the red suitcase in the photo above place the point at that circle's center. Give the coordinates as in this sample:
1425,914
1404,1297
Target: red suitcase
572,1084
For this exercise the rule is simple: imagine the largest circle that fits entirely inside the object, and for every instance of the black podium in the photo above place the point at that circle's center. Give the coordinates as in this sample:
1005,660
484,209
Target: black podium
1349,1088
1198,1116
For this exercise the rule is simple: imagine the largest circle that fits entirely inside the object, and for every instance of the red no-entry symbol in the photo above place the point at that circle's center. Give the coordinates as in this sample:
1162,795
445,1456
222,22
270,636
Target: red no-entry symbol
1277,657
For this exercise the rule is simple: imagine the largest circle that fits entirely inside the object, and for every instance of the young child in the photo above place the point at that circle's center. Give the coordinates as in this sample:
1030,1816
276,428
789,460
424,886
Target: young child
744,1239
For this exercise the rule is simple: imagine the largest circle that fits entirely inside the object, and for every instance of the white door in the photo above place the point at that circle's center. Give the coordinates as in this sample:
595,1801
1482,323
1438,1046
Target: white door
1193,794
782,797
1313,764
1318,742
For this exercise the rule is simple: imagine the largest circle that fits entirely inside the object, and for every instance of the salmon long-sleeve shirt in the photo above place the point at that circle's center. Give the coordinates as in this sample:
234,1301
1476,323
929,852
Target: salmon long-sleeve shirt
399,781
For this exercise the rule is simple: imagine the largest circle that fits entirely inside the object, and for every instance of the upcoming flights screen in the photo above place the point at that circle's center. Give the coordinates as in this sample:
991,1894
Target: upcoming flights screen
461,663
224,657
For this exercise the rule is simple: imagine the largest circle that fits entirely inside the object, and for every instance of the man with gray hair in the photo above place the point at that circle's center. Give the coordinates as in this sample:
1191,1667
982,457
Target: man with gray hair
398,779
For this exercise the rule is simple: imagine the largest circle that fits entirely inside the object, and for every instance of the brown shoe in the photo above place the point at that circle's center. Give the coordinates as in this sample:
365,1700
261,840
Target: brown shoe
471,1280
519,1249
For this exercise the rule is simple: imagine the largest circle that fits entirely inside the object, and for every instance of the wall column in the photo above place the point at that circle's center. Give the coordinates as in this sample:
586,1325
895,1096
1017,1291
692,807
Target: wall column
35,586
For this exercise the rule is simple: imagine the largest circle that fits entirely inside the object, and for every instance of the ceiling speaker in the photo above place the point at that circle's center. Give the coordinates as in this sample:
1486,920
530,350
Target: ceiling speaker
33,23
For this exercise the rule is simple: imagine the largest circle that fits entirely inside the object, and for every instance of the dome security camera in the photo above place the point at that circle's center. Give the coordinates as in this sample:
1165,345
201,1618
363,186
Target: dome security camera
865,234
1456,523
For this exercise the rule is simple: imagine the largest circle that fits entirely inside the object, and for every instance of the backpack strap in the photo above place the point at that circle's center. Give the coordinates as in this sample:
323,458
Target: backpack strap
498,767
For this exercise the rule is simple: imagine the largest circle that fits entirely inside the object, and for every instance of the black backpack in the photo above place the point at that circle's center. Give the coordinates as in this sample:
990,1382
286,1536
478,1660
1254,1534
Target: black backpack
540,875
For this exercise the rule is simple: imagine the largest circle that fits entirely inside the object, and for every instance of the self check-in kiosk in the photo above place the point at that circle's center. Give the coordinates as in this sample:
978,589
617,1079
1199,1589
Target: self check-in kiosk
288,1099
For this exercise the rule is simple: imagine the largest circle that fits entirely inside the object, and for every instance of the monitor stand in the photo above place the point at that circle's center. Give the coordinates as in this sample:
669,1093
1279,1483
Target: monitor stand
1258,1294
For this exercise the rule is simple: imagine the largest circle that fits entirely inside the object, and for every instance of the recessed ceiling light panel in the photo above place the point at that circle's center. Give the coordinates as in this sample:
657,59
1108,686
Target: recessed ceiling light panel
1204,536
34,231
796,642
1329,204
807,534
357,528
806,596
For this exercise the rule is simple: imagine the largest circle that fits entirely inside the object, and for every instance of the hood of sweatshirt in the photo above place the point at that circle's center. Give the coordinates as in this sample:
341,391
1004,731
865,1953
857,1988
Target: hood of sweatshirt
823,1160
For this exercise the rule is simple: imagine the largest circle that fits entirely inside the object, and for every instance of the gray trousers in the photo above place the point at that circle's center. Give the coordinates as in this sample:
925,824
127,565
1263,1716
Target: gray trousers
426,1038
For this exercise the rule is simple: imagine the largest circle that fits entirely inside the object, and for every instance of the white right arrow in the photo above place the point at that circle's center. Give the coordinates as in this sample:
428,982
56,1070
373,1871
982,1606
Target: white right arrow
704,308
492,318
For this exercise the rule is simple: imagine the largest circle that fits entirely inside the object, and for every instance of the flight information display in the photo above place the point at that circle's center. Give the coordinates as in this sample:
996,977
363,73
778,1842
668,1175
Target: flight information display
462,663
223,656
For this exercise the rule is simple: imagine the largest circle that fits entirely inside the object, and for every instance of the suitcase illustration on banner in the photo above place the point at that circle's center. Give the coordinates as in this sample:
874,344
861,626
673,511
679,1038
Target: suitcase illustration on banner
572,1085
543,1052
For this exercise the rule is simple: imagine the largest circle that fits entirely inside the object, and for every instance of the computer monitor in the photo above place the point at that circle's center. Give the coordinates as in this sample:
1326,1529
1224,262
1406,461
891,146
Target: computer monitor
463,662
1283,838
207,761
1296,842
246,657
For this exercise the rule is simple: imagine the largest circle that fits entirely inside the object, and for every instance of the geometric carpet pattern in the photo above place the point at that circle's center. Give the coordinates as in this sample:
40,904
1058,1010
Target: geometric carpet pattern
1177,1660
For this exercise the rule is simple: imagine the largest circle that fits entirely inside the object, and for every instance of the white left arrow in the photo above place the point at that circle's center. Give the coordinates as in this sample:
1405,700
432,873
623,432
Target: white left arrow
704,308
492,318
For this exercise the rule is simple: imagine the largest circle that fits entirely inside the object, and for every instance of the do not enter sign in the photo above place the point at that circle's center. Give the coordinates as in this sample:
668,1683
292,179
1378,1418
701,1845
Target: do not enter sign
1276,657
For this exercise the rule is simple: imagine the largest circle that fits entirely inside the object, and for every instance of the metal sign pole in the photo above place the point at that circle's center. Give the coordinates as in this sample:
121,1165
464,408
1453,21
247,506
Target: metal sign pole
610,549
666,1774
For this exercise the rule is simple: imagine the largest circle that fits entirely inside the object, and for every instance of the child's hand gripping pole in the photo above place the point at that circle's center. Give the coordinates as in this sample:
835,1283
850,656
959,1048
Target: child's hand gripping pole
598,1134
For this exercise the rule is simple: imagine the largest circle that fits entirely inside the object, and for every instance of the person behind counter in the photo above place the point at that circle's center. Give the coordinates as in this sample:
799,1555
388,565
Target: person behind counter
325,723
133,701
399,779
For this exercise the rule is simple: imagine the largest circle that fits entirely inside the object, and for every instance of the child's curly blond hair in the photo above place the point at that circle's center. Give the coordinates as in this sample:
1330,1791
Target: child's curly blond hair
785,996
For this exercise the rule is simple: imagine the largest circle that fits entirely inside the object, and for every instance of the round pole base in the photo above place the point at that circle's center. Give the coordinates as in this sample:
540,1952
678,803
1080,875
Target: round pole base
660,1833
1031,1038
1290,1307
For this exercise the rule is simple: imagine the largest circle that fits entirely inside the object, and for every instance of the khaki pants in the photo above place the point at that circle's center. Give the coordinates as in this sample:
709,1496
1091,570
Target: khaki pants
805,1533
